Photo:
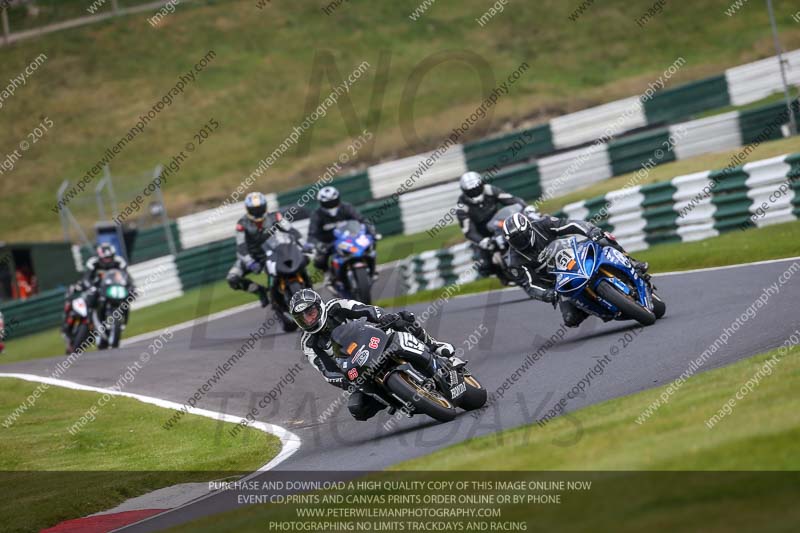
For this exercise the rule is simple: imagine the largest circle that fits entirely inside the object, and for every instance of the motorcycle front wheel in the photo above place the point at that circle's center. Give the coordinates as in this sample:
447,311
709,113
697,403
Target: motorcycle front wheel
80,335
427,402
627,306
475,396
362,285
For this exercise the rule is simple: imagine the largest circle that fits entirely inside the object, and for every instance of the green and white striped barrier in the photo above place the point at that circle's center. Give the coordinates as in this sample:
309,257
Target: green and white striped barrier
687,208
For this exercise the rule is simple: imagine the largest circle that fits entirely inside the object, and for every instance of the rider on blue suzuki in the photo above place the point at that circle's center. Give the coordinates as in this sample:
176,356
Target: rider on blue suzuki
527,238
323,221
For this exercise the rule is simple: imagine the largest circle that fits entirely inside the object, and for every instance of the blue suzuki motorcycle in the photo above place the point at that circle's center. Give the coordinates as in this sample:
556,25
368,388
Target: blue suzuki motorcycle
352,261
601,281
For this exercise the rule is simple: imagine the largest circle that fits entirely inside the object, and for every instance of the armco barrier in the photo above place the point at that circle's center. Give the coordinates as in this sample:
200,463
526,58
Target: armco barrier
687,208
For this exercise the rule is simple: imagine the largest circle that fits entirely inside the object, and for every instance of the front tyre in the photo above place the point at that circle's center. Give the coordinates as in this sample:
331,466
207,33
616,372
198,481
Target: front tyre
626,305
427,402
659,307
363,284
115,333
80,336
475,396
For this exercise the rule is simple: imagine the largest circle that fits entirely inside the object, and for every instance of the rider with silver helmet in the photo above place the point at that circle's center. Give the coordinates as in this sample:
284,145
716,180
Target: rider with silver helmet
478,203
528,237
252,231
331,211
318,319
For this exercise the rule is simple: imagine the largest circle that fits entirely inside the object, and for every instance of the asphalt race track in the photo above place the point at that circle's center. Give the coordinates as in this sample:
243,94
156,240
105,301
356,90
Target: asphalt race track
700,305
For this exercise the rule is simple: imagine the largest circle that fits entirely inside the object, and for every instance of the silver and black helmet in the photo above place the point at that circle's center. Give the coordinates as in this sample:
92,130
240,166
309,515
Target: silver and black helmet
518,231
308,310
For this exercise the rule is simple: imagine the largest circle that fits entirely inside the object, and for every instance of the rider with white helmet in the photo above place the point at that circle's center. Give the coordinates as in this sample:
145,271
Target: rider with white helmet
331,211
478,203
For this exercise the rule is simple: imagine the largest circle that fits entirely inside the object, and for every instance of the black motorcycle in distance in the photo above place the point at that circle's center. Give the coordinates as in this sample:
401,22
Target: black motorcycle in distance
110,308
377,362
285,266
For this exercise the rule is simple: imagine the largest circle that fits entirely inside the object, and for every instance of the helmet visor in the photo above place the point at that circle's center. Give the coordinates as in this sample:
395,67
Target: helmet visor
257,212
474,192
520,240
329,204
311,315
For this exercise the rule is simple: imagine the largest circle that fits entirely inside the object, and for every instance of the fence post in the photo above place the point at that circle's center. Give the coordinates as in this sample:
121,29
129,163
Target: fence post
6,29
115,7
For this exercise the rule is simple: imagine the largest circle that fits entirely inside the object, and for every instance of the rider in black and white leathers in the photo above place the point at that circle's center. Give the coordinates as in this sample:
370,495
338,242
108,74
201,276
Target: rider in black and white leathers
319,349
530,274
476,206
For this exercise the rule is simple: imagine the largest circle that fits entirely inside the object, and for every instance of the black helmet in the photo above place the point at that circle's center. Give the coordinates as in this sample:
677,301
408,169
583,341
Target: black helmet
256,205
518,231
106,253
308,310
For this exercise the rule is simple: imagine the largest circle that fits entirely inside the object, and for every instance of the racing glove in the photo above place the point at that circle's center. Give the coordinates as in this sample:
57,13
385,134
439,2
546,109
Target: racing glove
254,267
596,234
388,319
550,296
485,243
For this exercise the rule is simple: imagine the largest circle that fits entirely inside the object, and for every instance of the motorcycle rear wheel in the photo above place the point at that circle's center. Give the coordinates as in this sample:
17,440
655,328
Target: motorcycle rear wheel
430,403
626,304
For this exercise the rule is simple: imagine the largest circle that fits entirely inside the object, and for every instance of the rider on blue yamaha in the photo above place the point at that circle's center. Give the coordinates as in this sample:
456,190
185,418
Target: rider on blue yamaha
528,238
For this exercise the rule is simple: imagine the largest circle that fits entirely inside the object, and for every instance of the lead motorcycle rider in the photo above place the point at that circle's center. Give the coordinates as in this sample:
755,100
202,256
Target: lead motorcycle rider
318,319
527,238
252,231
478,203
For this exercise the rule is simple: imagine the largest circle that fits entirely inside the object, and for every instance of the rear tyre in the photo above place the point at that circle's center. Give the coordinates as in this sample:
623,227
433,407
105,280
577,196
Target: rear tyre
659,307
625,304
430,403
363,284
475,397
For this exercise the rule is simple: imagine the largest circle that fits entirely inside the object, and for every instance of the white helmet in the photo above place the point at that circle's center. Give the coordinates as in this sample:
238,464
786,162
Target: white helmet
328,198
472,186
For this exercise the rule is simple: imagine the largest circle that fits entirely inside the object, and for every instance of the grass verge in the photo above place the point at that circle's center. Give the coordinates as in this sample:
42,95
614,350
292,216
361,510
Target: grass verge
51,475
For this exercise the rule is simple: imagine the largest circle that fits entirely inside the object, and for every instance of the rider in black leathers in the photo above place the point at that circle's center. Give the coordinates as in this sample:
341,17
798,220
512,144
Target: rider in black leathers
105,259
527,238
323,221
318,319
477,204
252,231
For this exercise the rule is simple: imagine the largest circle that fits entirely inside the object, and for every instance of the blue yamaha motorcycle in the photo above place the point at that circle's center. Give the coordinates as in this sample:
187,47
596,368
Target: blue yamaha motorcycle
353,260
601,281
